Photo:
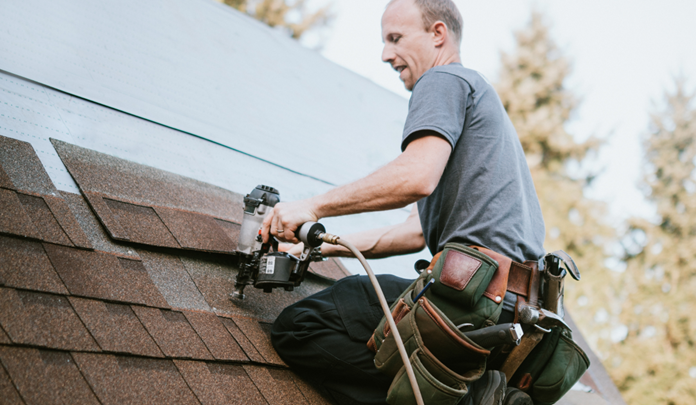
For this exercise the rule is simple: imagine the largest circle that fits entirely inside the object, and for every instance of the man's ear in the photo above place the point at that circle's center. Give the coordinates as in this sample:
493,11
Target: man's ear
440,33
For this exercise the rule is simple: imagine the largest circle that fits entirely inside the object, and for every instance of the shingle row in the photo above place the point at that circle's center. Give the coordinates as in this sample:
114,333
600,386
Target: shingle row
80,324
39,376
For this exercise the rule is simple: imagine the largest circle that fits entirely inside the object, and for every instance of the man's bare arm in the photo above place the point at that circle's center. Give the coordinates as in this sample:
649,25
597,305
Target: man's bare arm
408,178
400,239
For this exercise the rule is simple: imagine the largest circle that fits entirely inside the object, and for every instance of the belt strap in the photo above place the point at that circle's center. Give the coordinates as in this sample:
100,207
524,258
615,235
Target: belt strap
510,276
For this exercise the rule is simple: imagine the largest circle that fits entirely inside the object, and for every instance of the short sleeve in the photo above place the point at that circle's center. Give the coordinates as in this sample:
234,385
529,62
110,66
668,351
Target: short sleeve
438,103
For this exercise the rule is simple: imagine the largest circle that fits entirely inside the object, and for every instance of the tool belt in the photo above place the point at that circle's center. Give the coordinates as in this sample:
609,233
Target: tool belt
467,294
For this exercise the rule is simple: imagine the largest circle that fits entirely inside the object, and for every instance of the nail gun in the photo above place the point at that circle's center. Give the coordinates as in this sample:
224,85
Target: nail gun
258,265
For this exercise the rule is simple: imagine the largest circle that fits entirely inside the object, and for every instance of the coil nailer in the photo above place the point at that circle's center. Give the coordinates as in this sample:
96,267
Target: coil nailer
258,265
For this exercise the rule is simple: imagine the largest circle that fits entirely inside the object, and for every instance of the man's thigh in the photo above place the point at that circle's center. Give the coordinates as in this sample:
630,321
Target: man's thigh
324,336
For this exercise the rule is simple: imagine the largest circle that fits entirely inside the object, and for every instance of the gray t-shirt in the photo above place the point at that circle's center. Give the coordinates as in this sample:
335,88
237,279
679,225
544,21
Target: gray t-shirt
486,196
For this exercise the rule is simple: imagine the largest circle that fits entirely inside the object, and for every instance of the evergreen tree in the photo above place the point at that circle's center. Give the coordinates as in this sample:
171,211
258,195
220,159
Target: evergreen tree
656,364
531,87
291,16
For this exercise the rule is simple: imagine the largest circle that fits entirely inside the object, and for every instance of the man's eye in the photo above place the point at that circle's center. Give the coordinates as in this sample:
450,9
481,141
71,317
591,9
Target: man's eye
396,39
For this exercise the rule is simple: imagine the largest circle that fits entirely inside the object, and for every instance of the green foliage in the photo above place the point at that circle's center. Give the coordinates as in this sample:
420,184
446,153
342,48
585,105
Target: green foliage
654,362
532,89
291,16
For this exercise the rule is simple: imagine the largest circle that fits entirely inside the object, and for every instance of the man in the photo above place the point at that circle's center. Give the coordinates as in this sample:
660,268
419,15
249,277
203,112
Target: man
464,166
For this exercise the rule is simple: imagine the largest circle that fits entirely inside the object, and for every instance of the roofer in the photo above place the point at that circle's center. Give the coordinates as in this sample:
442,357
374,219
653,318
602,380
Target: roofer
462,163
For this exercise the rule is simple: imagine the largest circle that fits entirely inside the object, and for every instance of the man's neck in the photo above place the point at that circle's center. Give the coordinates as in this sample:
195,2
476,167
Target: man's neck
447,57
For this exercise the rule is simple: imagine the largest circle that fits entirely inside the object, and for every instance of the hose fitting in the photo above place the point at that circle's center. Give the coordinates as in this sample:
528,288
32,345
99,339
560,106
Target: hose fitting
329,238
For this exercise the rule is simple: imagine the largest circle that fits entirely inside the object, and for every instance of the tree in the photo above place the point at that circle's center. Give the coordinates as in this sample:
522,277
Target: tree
656,364
292,16
531,87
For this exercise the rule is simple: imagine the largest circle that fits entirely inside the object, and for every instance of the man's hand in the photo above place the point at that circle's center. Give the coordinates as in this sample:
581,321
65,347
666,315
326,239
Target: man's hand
285,218
293,249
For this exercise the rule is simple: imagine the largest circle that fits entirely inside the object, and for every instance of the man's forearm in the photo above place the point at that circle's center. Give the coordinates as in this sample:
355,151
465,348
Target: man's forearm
392,240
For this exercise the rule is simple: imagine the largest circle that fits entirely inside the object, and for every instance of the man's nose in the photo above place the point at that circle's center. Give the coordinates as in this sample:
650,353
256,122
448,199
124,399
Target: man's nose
387,54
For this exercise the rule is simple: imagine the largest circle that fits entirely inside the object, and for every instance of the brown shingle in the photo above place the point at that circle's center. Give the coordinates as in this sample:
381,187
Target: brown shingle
23,167
94,231
142,224
24,264
173,333
215,383
239,336
141,284
67,221
331,269
121,380
215,336
8,392
4,339
231,229
5,179
131,182
13,217
196,231
43,320
260,338
115,327
173,281
106,217
46,377
312,394
277,386
101,275
43,219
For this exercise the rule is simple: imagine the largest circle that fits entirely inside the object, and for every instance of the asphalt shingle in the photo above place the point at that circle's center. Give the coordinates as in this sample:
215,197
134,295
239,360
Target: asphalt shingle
102,275
45,320
43,219
331,269
67,220
5,179
219,384
13,218
115,327
215,336
173,334
141,224
196,231
173,281
46,376
118,380
23,167
260,338
8,392
126,181
239,336
24,264
277,386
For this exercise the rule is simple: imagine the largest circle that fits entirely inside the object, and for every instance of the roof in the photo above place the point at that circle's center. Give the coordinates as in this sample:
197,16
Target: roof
113,296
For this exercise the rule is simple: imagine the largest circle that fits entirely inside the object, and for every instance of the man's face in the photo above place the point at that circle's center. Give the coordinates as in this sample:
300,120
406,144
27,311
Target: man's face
408,47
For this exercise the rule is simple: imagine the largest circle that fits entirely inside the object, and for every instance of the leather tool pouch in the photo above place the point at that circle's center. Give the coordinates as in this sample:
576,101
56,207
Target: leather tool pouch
462,276
552,368
443,358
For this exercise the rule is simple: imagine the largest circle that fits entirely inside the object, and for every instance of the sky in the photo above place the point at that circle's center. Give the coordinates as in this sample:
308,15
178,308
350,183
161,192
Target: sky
624,54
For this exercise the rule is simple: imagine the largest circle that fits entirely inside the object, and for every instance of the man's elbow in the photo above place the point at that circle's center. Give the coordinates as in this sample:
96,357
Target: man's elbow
424,188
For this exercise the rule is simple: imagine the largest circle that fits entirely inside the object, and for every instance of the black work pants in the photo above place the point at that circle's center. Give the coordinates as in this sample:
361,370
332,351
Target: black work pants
323,337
